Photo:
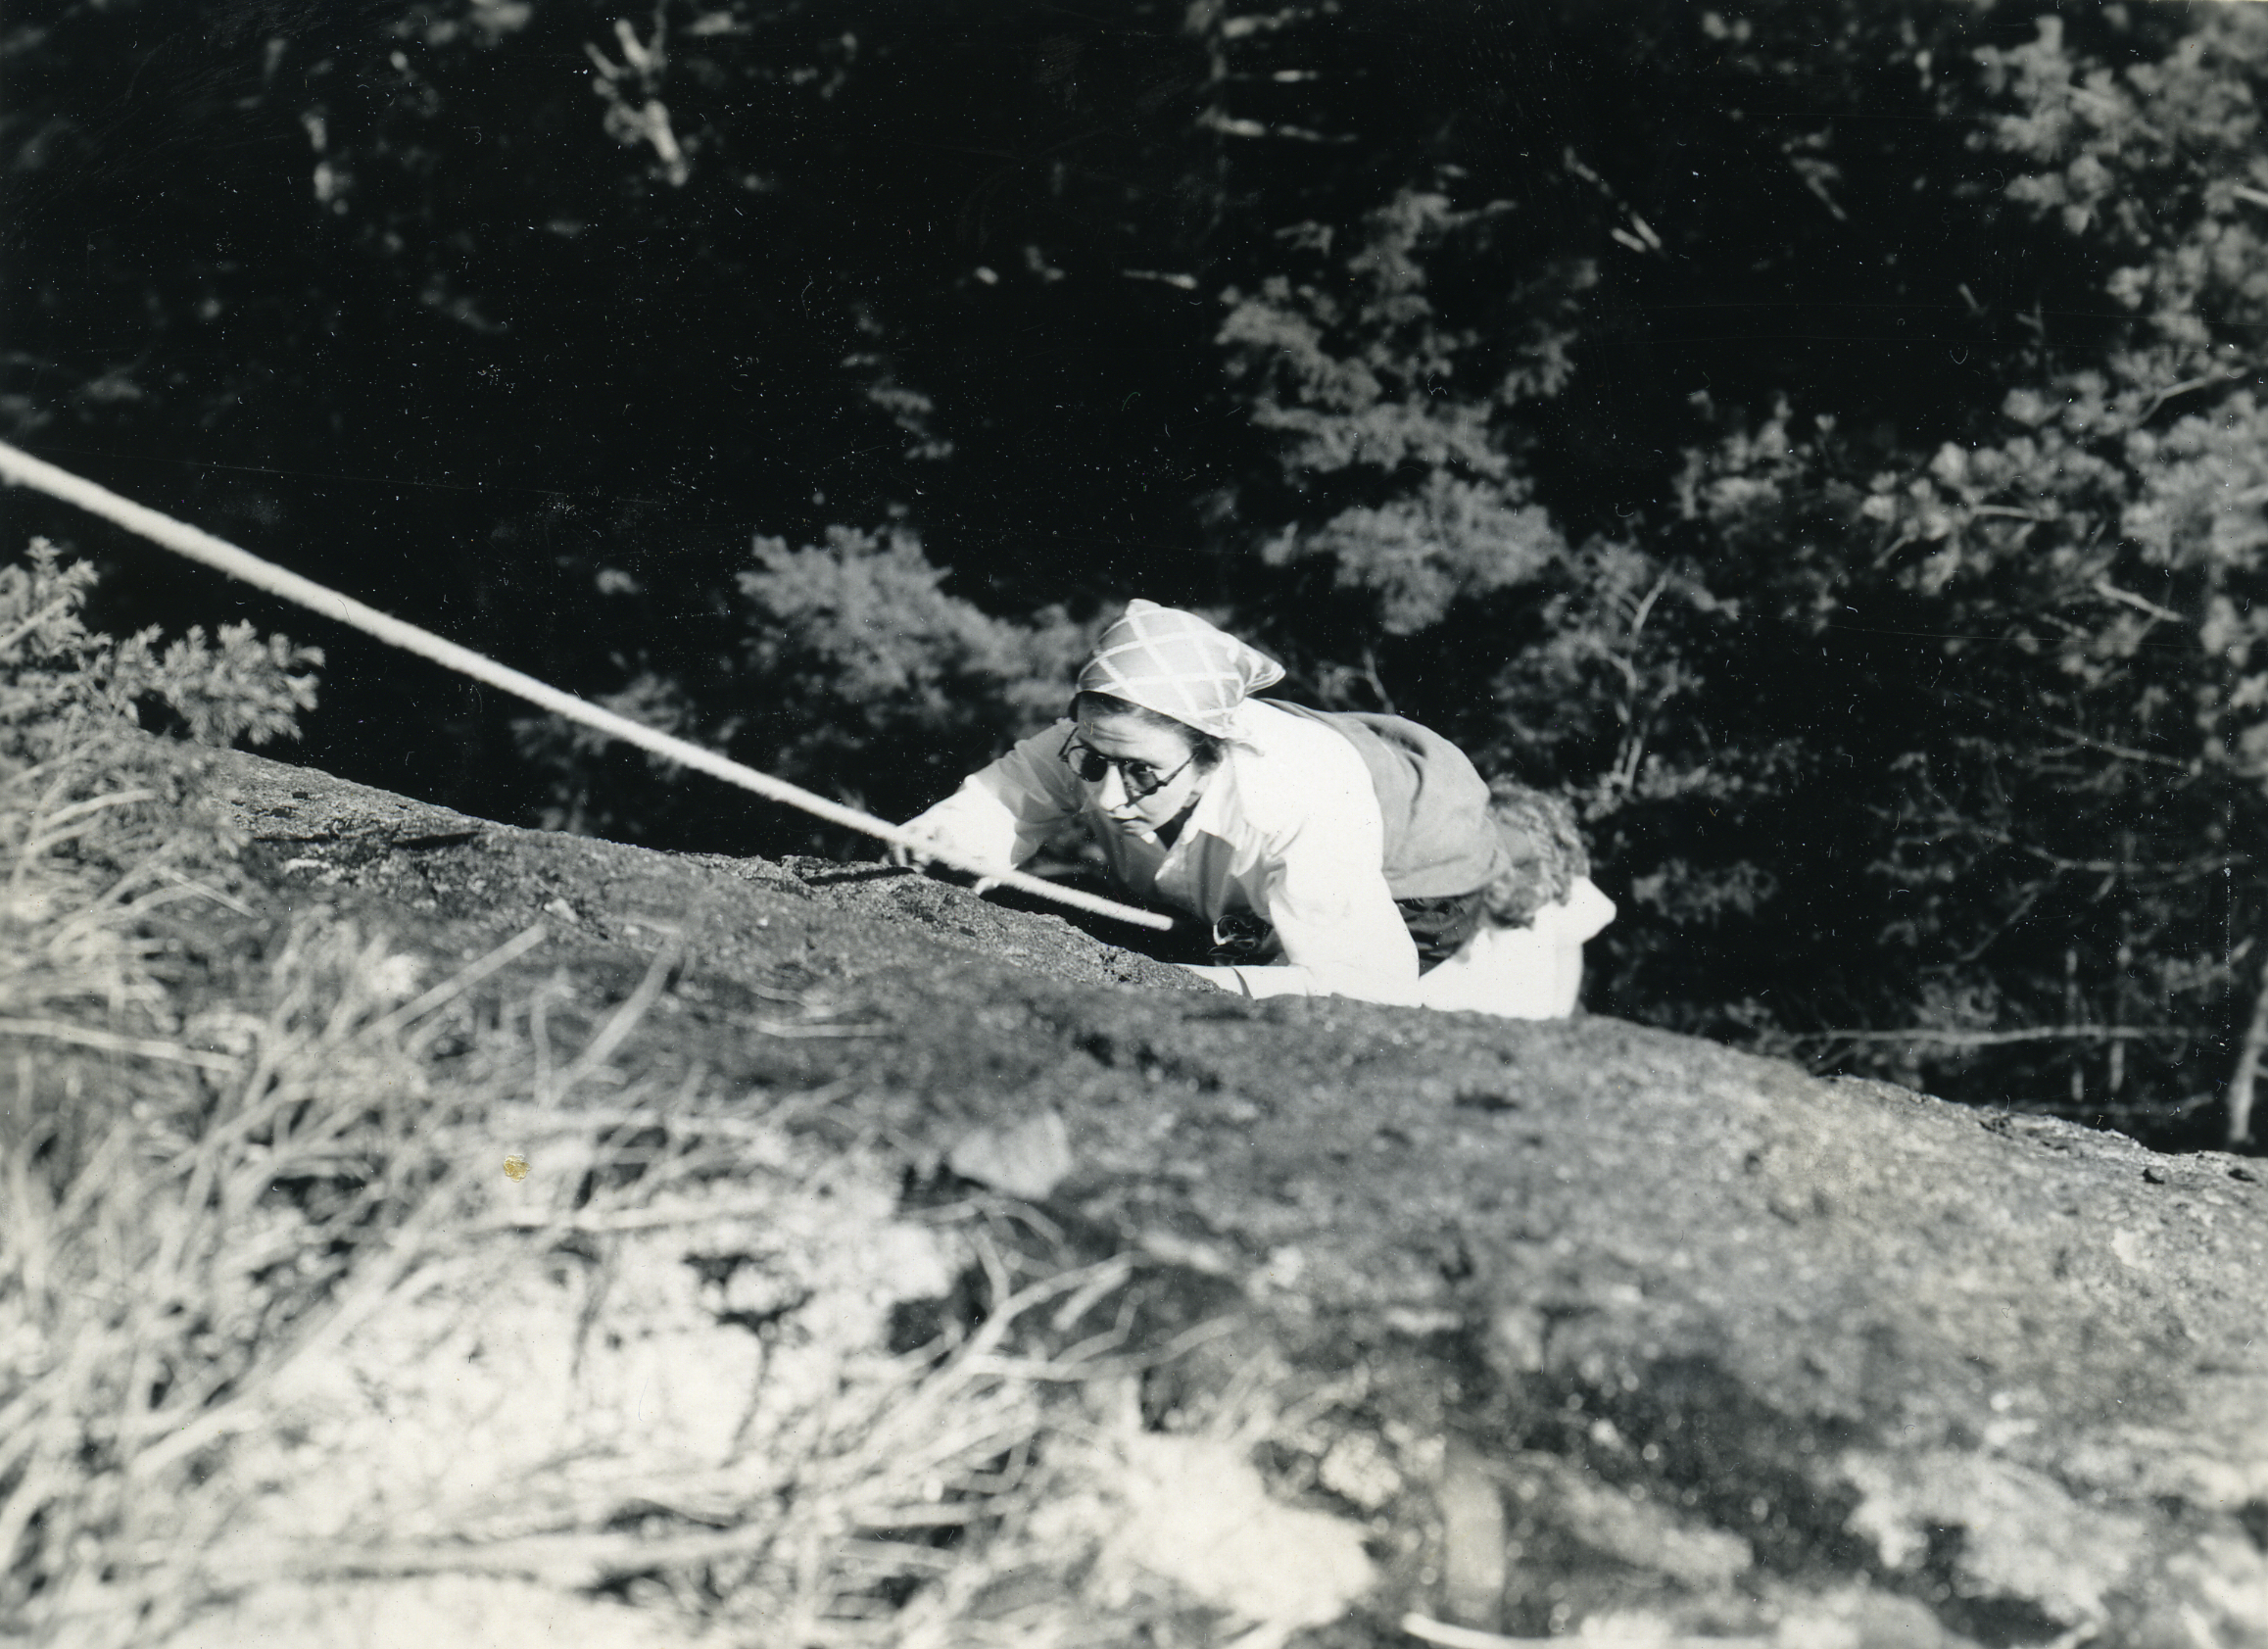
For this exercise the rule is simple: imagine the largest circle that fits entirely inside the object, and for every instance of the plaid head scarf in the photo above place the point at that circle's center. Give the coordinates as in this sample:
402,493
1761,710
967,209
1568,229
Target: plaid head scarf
1176,665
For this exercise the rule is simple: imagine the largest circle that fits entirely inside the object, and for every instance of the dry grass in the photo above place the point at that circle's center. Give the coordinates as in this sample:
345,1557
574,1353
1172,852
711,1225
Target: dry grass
226,1230
274,1320
190,1207
185,1246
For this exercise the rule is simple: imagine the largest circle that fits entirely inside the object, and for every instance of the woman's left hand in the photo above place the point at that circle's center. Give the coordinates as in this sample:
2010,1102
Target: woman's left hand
909,855
1228,978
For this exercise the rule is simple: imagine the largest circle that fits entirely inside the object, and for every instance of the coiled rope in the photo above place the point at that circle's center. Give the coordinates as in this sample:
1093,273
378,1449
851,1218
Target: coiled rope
19,469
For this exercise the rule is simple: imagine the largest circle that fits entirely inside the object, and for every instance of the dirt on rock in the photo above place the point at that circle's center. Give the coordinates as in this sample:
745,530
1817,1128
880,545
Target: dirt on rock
1569,1327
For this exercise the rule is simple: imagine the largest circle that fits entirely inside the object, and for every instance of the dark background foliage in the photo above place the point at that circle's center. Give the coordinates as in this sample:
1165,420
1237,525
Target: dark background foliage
1821,438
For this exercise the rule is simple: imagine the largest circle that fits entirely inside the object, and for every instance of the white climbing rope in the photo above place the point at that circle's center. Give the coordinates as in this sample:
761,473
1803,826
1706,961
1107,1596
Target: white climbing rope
19,469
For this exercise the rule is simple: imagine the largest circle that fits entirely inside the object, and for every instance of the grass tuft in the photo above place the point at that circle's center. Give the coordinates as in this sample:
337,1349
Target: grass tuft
282,1336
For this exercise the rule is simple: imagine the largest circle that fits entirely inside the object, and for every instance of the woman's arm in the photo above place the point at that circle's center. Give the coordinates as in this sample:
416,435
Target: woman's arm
1323,844
1003,813
1340,932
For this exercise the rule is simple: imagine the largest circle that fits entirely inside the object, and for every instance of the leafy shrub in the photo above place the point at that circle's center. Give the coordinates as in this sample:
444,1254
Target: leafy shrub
98,834
864,662
59,682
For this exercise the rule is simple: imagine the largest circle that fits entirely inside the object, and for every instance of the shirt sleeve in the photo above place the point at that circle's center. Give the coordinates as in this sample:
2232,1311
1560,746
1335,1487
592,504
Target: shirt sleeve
1325,894
1003,813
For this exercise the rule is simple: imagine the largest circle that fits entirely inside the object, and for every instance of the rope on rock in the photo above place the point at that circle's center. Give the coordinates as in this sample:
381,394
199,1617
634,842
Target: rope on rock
19,469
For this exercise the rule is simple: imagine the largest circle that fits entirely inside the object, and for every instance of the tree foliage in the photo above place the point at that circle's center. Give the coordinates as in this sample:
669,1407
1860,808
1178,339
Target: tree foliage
1985,842
854,669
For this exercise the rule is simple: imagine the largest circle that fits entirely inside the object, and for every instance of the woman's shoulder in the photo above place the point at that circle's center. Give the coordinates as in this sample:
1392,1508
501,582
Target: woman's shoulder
1276,730
1287,766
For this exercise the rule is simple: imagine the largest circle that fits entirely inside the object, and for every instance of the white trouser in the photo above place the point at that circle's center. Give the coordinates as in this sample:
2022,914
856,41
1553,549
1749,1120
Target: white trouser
1534,972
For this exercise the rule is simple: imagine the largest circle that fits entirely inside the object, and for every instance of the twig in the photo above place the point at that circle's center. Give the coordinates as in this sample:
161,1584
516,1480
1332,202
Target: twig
214,893
998,1288
1109,1275
463,980
2184,387
56,610
2248,1069
104,1041
2172,870
1468,1637
2087,742
785,1028
44,836
2142,604
1062,1370
1989,1039
621,1022
2031,896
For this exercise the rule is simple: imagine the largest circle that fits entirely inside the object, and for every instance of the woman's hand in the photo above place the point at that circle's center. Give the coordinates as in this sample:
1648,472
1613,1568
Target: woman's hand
1228,978
908,856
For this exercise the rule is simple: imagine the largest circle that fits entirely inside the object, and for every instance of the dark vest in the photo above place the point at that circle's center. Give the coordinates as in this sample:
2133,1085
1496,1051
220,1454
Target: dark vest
1441,839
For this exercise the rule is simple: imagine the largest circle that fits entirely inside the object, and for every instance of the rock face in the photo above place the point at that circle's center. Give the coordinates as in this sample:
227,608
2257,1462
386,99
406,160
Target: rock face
1573,1327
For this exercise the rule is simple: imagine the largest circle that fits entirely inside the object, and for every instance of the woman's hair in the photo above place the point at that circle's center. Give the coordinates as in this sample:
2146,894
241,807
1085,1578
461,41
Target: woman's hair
1204,748
1547,852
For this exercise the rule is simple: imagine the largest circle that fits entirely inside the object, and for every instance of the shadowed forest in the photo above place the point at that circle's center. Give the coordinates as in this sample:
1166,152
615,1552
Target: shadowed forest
1823,440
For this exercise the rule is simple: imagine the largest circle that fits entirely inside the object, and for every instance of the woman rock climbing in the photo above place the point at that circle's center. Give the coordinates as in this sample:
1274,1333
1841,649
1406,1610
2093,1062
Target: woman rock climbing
1332,852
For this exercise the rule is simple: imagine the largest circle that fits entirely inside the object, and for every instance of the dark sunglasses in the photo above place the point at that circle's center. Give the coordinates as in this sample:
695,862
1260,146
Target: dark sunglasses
1141,778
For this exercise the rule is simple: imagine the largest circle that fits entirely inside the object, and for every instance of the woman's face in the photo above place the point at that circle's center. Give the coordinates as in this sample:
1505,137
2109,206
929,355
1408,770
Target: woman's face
1153,753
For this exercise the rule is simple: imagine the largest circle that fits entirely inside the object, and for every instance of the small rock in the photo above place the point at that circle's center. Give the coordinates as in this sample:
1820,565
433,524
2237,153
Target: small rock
1356,1469
1516,1339
1196,1512
1027,1159
2154,1176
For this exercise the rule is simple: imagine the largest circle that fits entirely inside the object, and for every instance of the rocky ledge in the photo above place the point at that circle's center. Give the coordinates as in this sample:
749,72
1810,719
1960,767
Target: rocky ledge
1565,1328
